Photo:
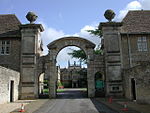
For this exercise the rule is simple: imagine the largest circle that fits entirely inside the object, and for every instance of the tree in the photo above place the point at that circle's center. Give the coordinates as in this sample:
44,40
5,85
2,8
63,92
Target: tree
96,32
80,54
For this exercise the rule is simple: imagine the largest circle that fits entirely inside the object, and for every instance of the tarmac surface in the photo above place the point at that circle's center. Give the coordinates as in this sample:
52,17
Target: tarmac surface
74,101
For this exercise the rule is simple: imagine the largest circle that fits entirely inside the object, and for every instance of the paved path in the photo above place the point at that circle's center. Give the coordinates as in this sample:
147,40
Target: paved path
7,107
76,101
73,101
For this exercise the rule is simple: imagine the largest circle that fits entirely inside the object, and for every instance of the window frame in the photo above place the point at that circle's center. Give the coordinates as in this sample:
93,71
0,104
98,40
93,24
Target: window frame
142,44
6,46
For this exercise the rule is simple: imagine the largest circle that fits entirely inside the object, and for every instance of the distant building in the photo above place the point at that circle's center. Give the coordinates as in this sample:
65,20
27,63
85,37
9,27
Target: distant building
74,76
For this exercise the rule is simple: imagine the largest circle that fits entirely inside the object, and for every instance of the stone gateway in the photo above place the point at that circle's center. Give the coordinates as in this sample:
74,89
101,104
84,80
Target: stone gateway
121,71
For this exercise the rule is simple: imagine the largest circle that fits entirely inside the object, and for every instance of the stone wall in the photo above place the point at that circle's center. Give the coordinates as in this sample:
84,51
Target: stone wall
142,82
130,54
12,61
99,65
6,76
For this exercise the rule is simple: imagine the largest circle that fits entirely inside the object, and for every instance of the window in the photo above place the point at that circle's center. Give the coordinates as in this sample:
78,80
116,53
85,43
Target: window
142,44
4,47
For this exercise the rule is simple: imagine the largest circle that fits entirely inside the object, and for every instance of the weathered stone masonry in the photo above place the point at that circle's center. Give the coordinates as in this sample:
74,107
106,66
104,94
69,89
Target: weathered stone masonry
6,77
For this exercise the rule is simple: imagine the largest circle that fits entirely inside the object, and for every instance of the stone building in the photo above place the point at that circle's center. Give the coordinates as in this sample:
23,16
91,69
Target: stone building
10,42
13,56
126,48
9,85
10,45
122,70
135,43
74,76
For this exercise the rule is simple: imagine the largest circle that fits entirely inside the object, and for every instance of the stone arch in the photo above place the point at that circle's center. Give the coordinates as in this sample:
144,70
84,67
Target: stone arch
56,46
61,43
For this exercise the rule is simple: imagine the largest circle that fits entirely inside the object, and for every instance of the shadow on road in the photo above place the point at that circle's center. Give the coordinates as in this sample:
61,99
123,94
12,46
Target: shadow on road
74,93
101,108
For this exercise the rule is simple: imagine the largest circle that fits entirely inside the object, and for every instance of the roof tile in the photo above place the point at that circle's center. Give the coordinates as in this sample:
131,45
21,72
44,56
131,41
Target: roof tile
9,25
136,22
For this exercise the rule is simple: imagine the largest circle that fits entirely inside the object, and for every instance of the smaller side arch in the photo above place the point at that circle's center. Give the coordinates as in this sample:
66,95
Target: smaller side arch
99,84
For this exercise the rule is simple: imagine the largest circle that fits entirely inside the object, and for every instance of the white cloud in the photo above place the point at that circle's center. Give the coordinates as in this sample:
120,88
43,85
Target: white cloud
83,33
134,5
51,34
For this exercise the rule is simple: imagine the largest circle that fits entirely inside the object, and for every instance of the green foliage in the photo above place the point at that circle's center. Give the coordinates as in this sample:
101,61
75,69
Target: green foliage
45,81
79,54
59,83
98,51
46,90
95,32
60,90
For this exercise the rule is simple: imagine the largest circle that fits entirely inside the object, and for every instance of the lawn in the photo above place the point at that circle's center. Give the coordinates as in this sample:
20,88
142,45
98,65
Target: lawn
62,90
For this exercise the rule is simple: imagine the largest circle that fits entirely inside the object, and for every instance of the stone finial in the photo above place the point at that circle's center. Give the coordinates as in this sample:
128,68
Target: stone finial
109,15
31,16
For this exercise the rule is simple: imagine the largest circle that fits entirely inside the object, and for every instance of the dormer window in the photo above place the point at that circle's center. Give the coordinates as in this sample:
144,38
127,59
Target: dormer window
4,47
142,44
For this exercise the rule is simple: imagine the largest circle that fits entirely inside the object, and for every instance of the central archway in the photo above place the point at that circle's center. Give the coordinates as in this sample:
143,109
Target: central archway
57,46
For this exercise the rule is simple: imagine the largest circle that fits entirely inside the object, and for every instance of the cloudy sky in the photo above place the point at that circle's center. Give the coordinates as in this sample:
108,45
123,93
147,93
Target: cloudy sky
69,17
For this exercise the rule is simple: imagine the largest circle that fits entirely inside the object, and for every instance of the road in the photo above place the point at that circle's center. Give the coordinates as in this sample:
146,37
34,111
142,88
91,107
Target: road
73,101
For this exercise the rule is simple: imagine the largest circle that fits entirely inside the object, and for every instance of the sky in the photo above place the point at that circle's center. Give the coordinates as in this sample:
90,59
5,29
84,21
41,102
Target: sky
62,18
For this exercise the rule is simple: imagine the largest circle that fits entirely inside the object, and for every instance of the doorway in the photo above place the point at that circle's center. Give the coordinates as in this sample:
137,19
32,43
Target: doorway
11,91
133,88
99,85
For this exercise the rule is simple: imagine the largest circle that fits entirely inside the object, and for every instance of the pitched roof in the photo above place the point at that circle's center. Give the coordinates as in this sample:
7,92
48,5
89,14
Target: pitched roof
136,22
9,26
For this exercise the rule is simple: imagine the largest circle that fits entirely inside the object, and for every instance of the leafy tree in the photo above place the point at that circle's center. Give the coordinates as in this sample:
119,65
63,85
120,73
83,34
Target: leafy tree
95,32
98,51
79,54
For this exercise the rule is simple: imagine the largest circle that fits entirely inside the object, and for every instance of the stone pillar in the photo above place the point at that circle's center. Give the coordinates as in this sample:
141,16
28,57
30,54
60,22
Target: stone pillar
112,53
90,73
52,76
29,53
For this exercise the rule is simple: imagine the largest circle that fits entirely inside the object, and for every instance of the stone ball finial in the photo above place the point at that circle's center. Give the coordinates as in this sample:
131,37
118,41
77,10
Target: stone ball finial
31,16
109,15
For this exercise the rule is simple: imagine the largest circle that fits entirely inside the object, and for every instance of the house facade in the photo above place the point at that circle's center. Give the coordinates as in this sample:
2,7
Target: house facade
135,42
127,55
